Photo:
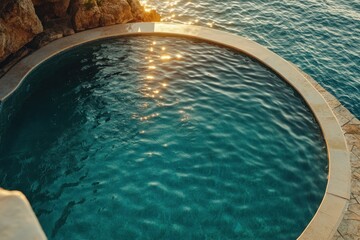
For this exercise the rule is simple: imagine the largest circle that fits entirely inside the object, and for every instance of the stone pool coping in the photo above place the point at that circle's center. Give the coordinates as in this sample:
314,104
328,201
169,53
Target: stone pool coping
337,195
349,228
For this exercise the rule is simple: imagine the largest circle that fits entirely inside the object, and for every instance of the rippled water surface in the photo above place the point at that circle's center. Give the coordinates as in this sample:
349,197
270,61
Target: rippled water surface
164,138
322,37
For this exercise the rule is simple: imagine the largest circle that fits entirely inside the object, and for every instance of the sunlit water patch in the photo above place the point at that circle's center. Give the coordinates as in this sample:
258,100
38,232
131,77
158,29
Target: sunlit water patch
164,138
321,37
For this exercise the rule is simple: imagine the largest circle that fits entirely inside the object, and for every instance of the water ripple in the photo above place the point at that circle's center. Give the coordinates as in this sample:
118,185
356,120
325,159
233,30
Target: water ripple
120,142
322,37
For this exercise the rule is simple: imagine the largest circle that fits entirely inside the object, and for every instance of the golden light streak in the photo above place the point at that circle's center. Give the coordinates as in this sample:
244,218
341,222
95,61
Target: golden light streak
165,57
210,24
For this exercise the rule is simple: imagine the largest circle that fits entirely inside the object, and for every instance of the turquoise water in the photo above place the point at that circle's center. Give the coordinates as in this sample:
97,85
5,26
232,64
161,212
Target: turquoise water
164,138
322,37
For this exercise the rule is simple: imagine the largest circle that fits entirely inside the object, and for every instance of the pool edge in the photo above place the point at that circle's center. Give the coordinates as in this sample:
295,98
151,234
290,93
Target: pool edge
331,210
351,130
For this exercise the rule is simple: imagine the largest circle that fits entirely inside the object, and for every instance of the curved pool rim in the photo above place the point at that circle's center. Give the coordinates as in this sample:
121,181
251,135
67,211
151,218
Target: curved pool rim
337,194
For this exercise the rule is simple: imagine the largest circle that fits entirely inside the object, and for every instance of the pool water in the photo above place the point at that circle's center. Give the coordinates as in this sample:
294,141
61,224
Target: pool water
321,37
164,138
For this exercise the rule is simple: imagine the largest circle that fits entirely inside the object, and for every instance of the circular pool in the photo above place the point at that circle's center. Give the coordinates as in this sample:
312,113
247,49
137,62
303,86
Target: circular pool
161,137
156,137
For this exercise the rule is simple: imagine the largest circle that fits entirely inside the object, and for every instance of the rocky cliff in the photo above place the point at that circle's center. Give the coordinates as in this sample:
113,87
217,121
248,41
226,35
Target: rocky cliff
93,13
18,25
34,23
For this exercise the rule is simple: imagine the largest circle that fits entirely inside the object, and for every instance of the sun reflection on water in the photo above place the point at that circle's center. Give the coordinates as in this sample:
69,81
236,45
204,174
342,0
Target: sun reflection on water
170,7
183,11
155,85
165,57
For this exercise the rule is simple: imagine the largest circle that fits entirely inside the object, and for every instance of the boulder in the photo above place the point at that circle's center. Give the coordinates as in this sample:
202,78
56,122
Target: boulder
139,13
18,25
51,9
94,13
54,29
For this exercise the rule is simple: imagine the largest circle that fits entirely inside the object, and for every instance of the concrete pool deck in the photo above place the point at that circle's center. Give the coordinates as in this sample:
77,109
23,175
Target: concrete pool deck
330,114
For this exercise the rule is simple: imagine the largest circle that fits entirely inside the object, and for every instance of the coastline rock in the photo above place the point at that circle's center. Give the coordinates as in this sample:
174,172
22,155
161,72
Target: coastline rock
45,38
139,13
35,23
94,13
50,9
18,25
54,29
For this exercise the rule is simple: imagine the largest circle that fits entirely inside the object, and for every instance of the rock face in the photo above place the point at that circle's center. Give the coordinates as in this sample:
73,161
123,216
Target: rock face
22,20
94,13
139,13
50,9
18,25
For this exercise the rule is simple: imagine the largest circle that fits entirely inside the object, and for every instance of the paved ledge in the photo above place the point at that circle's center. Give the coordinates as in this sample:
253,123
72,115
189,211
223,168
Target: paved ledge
331,211
349,228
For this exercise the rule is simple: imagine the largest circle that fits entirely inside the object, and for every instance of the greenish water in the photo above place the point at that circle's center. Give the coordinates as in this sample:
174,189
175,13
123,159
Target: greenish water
322,37
164,138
